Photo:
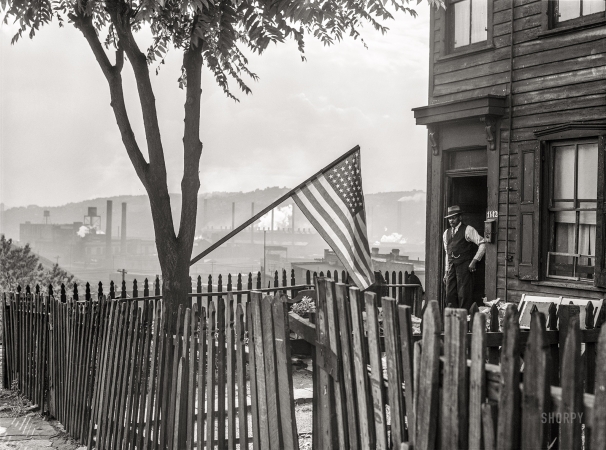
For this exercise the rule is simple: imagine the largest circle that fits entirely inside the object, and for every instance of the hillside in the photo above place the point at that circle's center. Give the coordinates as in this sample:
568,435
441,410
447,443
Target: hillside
402,213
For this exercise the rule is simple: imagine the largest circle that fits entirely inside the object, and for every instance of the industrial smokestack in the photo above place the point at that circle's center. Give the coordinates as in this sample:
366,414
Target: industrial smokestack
108,232
123,230
233,215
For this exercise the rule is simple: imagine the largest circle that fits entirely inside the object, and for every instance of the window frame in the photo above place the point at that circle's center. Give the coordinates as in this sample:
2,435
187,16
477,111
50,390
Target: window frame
448,38
572,132
549,237
549,8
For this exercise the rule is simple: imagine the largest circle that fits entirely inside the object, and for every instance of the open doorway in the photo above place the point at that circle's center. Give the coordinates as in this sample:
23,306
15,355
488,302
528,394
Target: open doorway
470,192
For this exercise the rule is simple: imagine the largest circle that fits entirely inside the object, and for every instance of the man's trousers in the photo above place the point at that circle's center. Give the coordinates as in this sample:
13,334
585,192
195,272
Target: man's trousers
459,286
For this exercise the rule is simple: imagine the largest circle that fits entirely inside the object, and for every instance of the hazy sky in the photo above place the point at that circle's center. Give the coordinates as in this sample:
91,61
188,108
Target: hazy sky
59,141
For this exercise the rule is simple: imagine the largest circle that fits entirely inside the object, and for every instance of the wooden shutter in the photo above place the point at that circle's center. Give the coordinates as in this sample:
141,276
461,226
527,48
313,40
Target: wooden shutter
528,239
600,264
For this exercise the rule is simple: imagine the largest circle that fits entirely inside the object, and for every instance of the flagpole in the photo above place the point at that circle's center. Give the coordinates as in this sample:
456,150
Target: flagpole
267,209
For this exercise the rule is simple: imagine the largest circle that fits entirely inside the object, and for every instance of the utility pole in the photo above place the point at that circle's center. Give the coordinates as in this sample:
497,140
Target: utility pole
264,268
124,272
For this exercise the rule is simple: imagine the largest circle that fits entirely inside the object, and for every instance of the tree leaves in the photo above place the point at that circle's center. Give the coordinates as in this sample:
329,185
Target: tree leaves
218,27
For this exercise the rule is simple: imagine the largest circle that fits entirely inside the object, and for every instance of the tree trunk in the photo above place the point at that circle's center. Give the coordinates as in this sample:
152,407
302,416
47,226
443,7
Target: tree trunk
174,250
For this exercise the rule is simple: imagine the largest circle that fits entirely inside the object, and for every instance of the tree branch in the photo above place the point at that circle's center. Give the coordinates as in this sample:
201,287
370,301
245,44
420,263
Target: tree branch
114,79
192,146
120,14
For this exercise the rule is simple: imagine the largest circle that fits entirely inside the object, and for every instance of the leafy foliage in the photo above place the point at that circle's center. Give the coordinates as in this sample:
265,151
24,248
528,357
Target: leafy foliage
220,28
19,266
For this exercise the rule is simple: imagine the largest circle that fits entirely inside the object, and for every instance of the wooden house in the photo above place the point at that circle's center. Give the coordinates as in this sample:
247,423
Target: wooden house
516,121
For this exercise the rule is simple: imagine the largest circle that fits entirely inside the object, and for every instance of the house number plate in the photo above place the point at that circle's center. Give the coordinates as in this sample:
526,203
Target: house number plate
492,214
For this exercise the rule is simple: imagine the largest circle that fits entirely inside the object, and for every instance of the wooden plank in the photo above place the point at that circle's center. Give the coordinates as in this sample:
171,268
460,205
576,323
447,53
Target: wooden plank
169,423
190,416
178,399
148,355
589,357
284,371
347,359
231,373
489,419
263,418
337,381
454,391
106,397
598,422
181,404
122,379
407,349
572,388
103,351
493,352
271,382
252,371
202,363
536,397
508,429
221,369
327,422
394,372
161,410
138,379
427,389
477,381
155,376
211,378
241,372
126,399
367,436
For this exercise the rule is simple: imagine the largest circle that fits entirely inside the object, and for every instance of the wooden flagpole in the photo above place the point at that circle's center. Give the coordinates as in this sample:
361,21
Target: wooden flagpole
269,208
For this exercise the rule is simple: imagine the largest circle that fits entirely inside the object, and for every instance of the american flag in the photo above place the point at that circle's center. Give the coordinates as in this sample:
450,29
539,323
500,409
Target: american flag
333,202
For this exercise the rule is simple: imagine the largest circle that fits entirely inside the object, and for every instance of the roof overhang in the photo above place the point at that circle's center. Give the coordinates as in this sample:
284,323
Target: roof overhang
488,105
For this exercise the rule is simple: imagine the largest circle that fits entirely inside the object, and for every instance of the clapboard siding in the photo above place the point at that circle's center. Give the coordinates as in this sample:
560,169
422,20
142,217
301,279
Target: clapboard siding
553,69
563,92
557,78
560,54
588,101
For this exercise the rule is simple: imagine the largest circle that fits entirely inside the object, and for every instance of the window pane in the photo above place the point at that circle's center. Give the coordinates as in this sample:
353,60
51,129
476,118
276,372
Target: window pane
461,23
561,266
479,12
585,267
593,6
588,174
563,205
564,231
587,234
563,183
569,9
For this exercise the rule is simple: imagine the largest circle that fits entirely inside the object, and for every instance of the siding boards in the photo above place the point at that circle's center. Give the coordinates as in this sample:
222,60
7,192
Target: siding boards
556,79
559,54
588,101
560,66
560,92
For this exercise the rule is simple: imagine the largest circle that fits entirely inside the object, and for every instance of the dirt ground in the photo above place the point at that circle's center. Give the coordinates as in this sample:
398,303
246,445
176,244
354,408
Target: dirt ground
22,427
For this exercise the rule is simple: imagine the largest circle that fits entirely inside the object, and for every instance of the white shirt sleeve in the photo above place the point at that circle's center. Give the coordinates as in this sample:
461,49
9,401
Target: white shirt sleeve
471,235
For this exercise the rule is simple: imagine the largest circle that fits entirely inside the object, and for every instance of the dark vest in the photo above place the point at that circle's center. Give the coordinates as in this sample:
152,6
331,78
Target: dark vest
459,249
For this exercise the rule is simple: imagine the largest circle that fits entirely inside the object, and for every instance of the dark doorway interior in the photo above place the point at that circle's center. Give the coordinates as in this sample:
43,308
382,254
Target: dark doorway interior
471,194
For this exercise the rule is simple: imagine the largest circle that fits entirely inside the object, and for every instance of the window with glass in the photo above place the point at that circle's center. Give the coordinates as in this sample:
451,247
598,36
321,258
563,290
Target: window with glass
572,210
566,10
468,23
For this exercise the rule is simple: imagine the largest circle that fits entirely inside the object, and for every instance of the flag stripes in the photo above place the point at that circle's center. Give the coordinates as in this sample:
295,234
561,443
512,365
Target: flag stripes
345,233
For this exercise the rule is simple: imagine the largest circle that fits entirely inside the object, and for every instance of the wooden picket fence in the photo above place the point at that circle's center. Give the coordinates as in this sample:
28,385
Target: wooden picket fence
115,376
439,390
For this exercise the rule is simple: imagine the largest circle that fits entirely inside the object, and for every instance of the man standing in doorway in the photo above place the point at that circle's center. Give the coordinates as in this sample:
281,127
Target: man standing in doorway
460,242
